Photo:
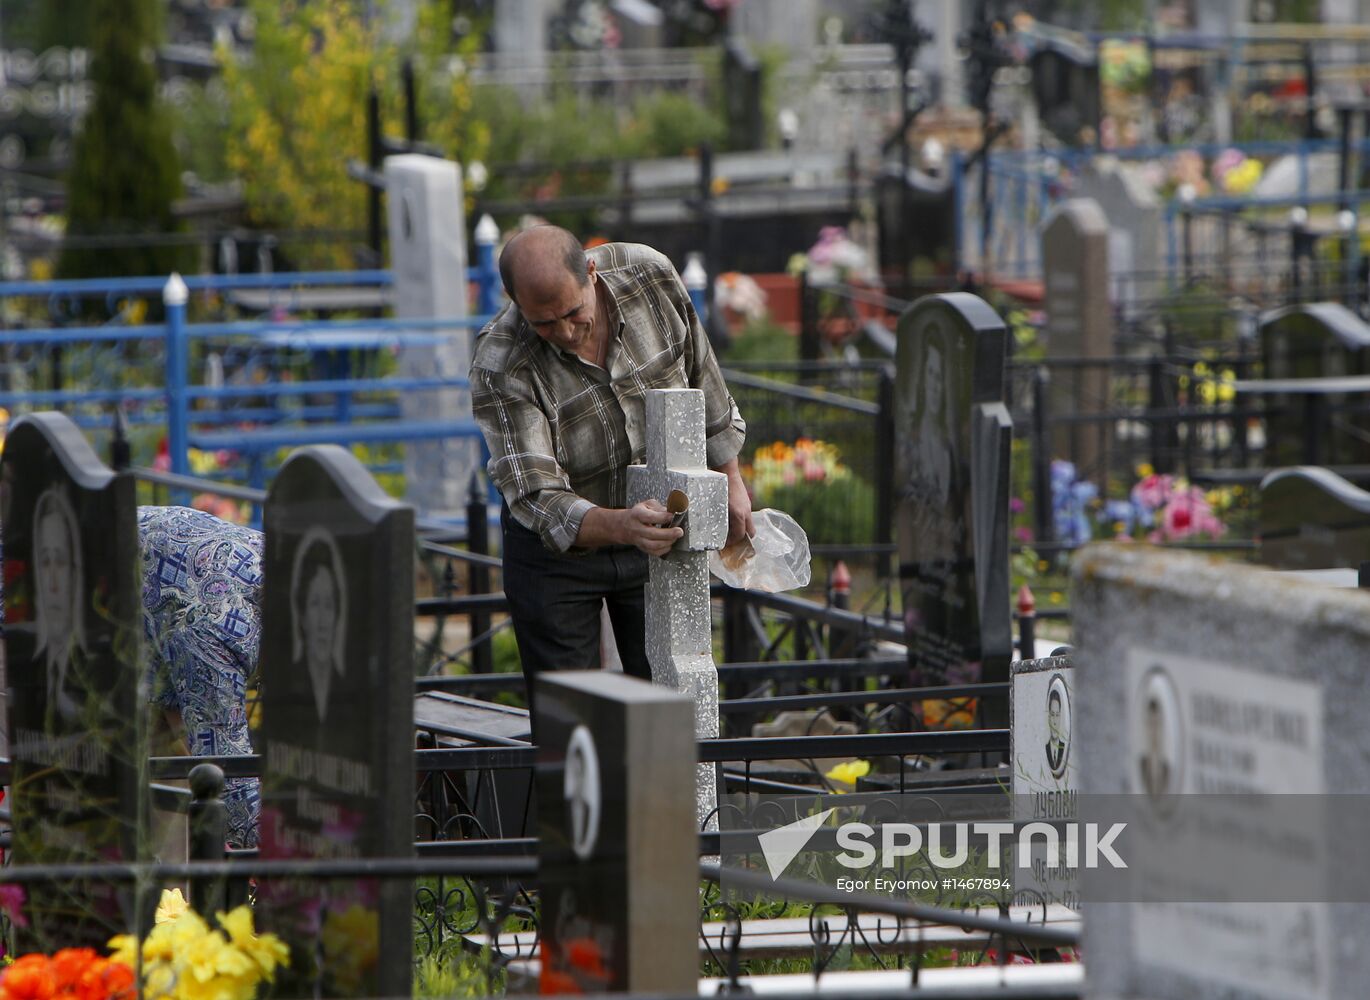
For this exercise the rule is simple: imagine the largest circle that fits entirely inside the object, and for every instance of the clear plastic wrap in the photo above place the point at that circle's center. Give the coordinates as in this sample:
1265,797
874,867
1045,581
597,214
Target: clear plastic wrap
776,558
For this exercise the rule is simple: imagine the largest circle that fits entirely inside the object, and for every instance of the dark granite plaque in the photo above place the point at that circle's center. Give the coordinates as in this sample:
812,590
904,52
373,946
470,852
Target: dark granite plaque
1318,340
337,720
951,476
1312,518
72,651
618,848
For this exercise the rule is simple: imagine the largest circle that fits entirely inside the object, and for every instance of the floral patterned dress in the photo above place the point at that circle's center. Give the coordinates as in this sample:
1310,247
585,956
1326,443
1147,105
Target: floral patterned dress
202,623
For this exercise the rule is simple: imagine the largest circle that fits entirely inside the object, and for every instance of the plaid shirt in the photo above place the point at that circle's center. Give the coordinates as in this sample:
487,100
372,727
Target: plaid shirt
561,431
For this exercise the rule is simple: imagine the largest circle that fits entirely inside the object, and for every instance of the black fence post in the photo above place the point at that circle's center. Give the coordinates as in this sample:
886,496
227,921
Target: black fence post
478,579
809,348
1241,369
412,127
1041,457
120,454
1027,624
884,470
1161,428
374,154
738,646
840,638
208,821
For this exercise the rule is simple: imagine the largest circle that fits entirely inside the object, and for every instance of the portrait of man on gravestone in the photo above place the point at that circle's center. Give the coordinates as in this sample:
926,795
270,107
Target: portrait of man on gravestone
59,581
1159,760
1058,726
318,606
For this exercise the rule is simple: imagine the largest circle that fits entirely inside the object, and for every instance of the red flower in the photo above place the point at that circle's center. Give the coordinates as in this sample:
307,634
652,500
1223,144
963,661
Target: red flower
29,978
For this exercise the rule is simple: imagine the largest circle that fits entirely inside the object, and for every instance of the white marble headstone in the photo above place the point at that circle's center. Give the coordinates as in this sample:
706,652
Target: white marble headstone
428,258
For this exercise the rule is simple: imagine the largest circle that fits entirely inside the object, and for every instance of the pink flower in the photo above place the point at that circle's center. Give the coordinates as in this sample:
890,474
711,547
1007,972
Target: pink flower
1016,505
1188,515
12,904
1023,534
1153,492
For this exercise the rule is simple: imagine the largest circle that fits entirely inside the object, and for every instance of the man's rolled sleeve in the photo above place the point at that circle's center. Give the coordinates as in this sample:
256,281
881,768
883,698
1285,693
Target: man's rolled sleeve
523,463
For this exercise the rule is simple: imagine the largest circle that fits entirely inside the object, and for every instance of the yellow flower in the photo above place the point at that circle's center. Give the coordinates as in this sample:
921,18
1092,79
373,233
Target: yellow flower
351,946
267,950
170,906
1057,597
848,771
1145,470
124,950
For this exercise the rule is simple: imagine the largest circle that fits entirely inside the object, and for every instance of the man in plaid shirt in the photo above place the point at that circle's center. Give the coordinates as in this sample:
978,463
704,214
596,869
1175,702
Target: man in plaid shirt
558,383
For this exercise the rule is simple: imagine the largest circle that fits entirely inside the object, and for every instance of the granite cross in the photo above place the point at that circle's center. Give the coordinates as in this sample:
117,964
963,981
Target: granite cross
679,633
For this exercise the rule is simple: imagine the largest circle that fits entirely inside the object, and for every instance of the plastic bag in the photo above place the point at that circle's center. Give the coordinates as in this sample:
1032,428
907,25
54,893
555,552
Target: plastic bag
776,558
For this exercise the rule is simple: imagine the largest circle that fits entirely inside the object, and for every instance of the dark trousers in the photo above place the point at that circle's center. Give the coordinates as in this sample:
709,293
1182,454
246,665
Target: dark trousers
555,600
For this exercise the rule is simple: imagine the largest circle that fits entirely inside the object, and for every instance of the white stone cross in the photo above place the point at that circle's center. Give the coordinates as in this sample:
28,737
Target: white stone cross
679,629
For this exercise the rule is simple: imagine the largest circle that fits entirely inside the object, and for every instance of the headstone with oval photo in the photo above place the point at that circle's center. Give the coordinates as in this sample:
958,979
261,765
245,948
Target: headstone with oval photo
618,848
1219,709
72,641
337,721
1045,770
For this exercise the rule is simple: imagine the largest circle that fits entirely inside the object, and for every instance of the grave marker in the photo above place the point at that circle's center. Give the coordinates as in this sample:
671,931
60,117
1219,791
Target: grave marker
1045,777
72,642
337,720
679,622
1075,255
951,467
1217,703
1312,518
618,853
1133,214
1318,340
427,225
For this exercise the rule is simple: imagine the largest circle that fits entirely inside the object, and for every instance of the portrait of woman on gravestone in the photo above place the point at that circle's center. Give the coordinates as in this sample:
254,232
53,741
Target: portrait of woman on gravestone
930,490
59,581
318,595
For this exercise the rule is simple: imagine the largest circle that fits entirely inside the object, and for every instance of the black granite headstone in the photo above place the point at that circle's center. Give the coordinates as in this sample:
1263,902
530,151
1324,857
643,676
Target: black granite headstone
1311,518
1318,340
951,475
337,720
618,848
72,641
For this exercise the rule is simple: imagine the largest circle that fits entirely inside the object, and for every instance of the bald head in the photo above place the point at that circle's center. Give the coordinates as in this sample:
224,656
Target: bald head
537,261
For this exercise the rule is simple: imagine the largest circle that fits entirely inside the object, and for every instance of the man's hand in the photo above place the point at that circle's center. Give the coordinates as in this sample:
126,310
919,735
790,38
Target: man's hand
640,526
739,507
646,526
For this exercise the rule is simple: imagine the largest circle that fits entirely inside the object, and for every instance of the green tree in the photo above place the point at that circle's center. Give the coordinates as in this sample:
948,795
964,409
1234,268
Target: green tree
124,174
296,111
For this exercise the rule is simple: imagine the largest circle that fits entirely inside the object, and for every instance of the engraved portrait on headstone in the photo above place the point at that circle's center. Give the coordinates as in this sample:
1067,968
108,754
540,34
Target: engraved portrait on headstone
59,580
932,487
318,598
1058,726
1159,764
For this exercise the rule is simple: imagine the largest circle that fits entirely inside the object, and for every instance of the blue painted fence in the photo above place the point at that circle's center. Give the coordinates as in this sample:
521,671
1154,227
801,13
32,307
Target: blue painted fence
94,369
